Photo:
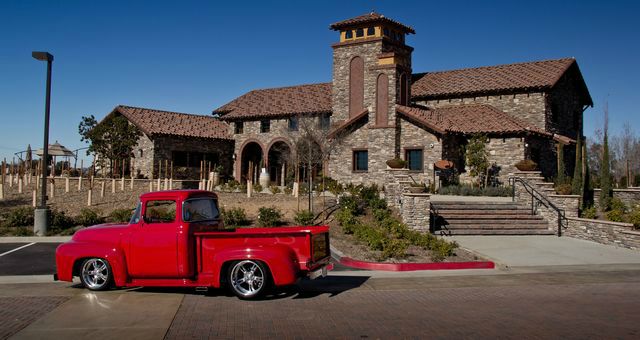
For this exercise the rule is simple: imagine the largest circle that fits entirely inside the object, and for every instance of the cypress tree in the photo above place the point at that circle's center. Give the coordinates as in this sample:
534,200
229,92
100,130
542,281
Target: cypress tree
576,185
606,191
562,176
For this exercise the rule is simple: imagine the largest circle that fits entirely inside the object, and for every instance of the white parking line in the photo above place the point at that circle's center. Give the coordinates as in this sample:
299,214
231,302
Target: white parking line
11,251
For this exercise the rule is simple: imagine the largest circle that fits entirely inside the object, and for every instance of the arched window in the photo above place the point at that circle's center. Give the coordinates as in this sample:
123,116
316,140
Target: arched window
382,100
403,90
356,86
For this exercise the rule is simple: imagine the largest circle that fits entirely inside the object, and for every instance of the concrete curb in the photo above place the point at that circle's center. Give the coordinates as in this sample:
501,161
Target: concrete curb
401,267
26,279
37,239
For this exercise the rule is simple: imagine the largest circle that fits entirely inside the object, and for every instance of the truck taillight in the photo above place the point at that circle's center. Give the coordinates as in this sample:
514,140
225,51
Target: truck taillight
319,246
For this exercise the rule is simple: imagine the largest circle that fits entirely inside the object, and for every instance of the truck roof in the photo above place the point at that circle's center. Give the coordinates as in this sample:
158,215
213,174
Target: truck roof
179,194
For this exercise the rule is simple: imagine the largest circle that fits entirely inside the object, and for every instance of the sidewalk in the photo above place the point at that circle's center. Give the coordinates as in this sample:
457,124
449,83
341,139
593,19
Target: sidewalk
537,251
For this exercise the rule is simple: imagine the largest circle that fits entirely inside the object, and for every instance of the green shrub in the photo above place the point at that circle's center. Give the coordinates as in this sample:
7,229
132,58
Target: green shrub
257,188
395,248
304,217
23,231
20,217
233,185
59,220
634,217
275,189
88,217
269,217
120,215
564,189
590,213
615,215
352,203
234,217
288,191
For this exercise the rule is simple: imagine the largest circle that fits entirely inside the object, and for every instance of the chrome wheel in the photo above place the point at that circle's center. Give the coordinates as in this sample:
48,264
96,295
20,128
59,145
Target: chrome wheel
95,274
248,278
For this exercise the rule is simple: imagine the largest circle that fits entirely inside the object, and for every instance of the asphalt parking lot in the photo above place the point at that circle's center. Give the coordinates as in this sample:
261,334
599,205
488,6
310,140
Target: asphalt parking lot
31,258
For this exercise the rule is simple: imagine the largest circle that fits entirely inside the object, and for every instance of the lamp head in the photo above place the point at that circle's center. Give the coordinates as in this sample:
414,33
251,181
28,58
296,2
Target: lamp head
44,56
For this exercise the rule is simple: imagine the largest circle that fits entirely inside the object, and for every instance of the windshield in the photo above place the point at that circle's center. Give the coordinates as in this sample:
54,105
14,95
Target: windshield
200,209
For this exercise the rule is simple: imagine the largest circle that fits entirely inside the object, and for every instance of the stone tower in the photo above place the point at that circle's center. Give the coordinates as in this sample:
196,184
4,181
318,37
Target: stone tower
371,69
371,74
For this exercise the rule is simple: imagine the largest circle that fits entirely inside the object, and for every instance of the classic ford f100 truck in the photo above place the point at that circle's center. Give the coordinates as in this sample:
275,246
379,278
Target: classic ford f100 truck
177,238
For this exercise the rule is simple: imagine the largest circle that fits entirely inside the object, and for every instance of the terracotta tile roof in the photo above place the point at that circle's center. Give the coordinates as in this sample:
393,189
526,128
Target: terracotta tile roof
283,101
155,122
537,75
468,119
372,17
347,123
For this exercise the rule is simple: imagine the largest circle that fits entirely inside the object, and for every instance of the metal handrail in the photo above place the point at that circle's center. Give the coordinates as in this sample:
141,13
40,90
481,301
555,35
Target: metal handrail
433,211
538,199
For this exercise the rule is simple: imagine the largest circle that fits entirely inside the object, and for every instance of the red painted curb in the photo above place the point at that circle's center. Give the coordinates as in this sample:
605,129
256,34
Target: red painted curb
402,267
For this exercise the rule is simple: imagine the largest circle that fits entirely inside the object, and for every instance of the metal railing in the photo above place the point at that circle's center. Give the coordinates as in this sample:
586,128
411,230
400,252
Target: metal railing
538,199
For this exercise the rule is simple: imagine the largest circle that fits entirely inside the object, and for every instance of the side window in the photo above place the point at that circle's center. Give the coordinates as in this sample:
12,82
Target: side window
160,211
414,159
200,209
360,160
293,124
135,219
265,126
239,128
348,34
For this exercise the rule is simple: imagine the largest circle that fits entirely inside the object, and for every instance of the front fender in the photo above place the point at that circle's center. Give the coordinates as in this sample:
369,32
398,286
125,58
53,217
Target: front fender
280,260
67,254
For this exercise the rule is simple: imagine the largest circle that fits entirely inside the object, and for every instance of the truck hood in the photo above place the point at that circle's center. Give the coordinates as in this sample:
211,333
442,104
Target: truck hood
107,232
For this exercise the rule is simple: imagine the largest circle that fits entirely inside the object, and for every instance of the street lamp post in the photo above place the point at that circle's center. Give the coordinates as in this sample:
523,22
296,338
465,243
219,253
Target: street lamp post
41,216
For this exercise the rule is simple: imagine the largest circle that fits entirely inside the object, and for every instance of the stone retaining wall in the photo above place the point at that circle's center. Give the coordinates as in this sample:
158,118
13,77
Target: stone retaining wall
413,208
628,196
605,232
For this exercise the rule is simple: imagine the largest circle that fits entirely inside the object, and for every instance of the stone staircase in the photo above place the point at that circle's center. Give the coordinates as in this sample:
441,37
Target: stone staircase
487,218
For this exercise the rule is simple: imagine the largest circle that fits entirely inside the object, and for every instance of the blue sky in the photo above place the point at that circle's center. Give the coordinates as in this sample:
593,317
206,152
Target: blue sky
194,56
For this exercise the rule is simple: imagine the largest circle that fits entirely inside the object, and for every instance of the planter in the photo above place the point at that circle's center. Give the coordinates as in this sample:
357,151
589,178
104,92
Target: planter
526,165
416,190
396,163
265,179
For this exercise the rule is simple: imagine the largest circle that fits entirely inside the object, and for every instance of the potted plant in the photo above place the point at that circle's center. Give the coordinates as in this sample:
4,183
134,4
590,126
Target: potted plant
417,188
526,165
396,163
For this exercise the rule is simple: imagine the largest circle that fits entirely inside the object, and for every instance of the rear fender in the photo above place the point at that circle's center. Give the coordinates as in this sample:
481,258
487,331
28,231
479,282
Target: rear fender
280,260
70,254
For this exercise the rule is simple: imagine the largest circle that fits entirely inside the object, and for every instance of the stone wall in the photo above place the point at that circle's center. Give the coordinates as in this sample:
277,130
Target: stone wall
605,232
380,146
413,208
505,152
414,137
144,156
163,146
630,197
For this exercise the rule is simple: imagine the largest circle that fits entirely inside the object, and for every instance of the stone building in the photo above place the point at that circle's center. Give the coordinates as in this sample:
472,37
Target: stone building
179,138
379,109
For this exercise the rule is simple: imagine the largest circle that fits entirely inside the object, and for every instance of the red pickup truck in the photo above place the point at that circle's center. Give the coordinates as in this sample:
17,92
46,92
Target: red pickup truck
177,238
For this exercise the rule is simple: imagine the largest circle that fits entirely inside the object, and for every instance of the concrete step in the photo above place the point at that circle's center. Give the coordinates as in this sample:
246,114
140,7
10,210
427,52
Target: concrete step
478,207
504,212
495,226
491,216
538,221
495,232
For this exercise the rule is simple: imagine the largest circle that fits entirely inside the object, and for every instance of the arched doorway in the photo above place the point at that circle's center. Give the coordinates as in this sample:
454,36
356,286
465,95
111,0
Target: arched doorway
250,161
279,159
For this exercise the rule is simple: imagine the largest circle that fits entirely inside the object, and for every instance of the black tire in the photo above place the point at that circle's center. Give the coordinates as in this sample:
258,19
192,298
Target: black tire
248,279
96,274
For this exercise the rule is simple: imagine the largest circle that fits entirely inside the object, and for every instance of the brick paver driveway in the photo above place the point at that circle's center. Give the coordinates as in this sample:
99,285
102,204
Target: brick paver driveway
522,306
